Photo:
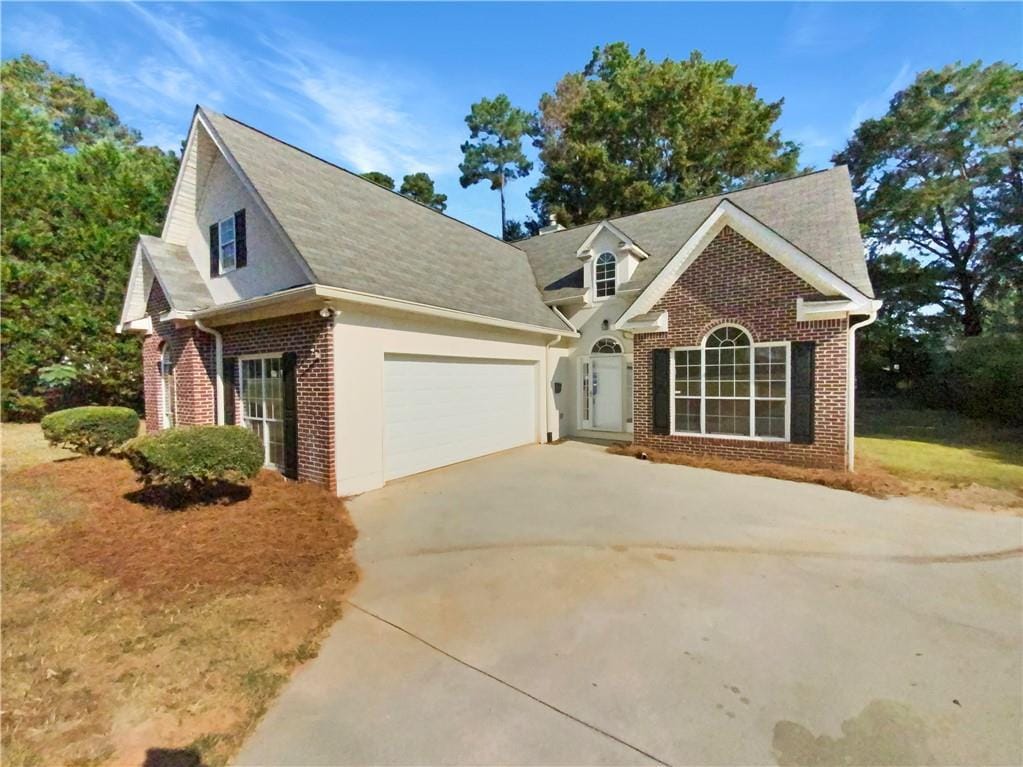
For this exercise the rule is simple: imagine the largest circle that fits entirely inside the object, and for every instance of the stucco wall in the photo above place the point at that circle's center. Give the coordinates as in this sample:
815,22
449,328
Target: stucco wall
362,337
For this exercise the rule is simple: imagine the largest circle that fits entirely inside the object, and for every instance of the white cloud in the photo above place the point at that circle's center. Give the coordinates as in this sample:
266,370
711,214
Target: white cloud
877,105
359,112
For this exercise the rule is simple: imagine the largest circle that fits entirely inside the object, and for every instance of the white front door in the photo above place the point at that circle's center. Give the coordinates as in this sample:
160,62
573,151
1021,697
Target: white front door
606,392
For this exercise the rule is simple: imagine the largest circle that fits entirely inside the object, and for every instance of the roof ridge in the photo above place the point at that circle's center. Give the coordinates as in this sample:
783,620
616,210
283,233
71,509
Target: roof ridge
355,175
692,200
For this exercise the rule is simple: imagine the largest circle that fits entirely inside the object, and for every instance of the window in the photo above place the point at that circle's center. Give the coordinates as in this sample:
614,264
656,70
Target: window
606,346
167,391
731,386
604,275
228,255
263,405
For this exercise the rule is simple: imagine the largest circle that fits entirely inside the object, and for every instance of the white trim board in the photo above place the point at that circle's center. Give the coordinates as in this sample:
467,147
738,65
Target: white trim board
784,252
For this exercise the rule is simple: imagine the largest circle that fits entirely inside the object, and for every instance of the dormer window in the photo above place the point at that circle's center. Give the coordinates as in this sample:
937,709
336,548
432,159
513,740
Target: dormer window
227,244
604,277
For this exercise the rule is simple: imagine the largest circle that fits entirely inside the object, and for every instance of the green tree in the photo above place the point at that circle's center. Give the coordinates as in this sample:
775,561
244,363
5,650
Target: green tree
494,150
627,134
419,187
939,179
73,202
380,179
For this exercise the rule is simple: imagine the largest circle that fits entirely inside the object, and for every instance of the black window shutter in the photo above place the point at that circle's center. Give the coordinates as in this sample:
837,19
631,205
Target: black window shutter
661,390
288,372
240,252
214,250
230,372
803,399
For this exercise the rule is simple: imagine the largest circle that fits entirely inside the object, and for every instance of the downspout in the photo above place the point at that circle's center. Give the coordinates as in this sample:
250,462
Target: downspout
850,406
548,395
218,342
547,369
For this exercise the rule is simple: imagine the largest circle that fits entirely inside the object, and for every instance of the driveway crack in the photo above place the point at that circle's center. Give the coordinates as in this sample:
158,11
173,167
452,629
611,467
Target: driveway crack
510,686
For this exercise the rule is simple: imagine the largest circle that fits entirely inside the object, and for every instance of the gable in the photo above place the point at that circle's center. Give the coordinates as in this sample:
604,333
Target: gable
208,189
732,277
727,214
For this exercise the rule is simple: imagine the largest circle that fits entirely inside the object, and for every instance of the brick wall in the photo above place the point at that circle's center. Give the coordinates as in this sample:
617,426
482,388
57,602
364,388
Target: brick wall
194,355
734,281
310,336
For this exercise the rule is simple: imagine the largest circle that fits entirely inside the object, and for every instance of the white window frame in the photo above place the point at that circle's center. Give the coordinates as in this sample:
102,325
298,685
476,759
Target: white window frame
241,402
168,415
612,339
221,244
752,436
598,281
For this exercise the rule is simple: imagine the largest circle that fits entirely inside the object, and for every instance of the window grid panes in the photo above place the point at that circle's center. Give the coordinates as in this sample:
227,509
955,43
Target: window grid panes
604,275
731,388
227,245
770,387
263,405
688,386
606,346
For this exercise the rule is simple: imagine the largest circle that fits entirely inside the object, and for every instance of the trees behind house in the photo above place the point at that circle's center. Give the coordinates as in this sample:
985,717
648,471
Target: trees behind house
939,185
628,133
939,181
494,150
380,179
419,187
78,188
415,186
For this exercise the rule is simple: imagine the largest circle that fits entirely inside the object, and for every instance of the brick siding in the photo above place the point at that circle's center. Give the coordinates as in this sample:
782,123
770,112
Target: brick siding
733,281
193,353
309,336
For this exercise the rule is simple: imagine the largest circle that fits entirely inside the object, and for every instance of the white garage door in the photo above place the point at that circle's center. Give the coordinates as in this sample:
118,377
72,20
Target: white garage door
440,410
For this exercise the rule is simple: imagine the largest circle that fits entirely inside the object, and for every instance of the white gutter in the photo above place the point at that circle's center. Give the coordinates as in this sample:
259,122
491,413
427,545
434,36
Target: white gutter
850,386
564,319
219,385
368,299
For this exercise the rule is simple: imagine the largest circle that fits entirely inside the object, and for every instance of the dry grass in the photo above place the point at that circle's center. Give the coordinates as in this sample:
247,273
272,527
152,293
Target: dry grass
128,628
869,482
870,478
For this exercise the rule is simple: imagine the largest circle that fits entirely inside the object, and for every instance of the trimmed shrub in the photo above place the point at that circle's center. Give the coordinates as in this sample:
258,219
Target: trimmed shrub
192,457
91,430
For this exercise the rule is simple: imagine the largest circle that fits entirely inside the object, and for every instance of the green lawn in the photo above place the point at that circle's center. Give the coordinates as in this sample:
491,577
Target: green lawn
939,445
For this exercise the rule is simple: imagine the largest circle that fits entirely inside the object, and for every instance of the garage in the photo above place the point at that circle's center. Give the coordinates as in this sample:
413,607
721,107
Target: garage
441,410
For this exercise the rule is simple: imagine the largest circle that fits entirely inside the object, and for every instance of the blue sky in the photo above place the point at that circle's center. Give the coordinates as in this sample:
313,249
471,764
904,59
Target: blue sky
387,86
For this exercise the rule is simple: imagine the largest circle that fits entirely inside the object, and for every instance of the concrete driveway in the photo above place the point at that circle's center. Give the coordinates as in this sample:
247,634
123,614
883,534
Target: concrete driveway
559,605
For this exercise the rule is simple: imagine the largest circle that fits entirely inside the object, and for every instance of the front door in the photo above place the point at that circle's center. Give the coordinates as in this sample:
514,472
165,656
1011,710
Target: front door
606,392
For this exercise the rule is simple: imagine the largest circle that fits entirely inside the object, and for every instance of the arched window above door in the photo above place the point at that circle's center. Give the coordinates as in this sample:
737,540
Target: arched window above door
606,346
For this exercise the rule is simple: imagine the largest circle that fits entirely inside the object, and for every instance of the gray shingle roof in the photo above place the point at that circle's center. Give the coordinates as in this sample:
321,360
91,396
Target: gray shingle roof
359,236
177,274
815,212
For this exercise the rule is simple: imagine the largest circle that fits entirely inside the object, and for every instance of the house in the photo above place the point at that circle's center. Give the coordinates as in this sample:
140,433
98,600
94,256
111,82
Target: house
366,337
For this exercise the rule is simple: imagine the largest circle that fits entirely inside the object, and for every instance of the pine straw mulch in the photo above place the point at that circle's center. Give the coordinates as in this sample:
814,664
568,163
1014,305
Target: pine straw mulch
134,630
868,479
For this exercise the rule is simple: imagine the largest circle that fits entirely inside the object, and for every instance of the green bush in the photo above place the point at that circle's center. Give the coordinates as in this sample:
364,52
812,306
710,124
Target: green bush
91,430
192,457
980,377
23,407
